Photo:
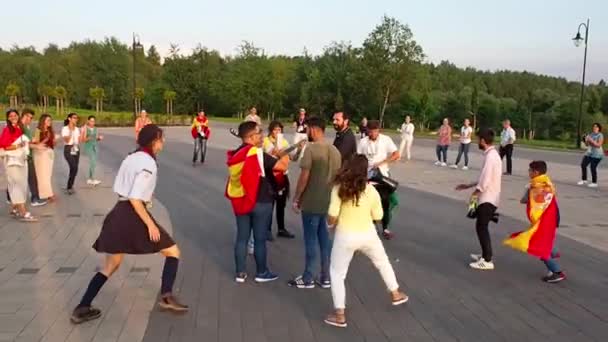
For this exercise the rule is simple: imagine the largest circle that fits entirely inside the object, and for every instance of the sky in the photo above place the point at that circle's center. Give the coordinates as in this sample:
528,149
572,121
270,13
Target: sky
532,35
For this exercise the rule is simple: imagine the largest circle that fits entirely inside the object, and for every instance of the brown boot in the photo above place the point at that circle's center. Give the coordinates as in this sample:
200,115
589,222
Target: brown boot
169,302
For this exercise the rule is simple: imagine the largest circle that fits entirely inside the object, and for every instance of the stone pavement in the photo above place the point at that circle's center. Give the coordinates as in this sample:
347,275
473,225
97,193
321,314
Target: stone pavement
46,266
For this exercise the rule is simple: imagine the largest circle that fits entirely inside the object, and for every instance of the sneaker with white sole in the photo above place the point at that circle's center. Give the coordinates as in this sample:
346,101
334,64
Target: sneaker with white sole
592,185
240,277
453,166
298,282
464,168
482,264
90,182
38,203
266,277
444,164
583,182
437,163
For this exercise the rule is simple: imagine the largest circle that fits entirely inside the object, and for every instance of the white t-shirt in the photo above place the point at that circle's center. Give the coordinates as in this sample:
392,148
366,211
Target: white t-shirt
74,135
465,134
136,177
407,130
377,151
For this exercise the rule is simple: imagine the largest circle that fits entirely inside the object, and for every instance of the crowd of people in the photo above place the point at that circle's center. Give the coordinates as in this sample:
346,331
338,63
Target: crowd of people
345,186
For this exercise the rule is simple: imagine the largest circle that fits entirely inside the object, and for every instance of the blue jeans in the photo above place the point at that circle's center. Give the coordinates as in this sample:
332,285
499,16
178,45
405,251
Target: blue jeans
463,149
551,264
316,236
257,221
442,151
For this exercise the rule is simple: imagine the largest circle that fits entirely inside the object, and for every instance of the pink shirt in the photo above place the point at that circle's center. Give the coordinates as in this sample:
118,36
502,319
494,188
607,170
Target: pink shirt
445,135
490,177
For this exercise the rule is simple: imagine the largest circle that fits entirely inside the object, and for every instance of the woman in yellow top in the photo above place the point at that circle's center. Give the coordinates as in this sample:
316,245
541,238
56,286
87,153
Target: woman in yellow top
274,143
354,206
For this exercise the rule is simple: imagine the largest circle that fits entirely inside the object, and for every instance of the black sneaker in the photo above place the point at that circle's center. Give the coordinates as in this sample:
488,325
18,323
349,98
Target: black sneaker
554,277
284,233
299,283
169,302
324,283
84,314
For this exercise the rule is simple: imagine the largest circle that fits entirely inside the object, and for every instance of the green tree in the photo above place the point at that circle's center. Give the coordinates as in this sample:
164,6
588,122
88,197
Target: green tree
13,91
60,94
169,97
139,96
98,95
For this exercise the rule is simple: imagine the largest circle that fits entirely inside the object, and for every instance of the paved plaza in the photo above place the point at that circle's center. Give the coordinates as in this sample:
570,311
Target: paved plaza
45,266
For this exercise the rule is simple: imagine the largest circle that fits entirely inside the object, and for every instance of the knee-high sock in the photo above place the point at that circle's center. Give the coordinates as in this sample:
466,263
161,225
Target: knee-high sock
169,274
94,286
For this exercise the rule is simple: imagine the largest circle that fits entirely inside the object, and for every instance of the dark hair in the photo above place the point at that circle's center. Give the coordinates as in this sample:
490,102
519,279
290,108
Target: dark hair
148,135
352,179
487,134
67,119
539,166
598,125
373,124
49,131
91,117
344,115
28,111
247,127
317,122
9,125
274,124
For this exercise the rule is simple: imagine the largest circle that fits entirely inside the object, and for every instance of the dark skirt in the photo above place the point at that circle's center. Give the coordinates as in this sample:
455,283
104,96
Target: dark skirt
124,232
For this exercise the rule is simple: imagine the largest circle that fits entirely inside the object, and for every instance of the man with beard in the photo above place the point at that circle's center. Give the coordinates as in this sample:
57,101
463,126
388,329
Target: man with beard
380,151
345,140
487,195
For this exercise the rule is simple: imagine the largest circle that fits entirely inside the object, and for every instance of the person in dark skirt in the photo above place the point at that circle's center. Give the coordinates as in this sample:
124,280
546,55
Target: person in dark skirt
130,229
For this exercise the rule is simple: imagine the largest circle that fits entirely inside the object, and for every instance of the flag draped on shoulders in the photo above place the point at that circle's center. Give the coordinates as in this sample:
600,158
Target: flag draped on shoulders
543,213
200,124
244,173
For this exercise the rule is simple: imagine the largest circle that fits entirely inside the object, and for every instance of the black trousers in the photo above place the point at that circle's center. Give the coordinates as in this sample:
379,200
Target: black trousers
385,194
485,212
593,163
72,160
32,180
280,203
507,150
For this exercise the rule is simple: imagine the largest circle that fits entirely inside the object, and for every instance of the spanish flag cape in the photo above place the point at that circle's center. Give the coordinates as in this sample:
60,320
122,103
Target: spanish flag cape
197,122
543,214
243,179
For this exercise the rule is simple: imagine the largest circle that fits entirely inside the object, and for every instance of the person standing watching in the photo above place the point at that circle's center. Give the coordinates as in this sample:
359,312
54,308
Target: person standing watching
71,151
507,139
251,194
593,156
345,140
380,151
26,120
142,121
44,156
407,138
363,128
443,143
299,124
319,165
487,193
465,141
91,138
253,116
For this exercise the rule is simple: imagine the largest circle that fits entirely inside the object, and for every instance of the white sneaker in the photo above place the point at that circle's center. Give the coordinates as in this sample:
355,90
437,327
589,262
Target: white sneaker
90,182
96,182
443,164
475,257
437,163
592,185
482,264
464,168
582,183
453,166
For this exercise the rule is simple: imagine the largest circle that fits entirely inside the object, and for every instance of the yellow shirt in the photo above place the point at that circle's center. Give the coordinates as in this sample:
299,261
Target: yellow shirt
356,218
270,144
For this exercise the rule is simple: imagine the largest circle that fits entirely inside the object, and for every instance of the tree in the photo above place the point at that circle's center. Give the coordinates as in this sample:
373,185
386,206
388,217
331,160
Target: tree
13,91
604,102
97,94
45,92
390,54
139,95
169,96
60,94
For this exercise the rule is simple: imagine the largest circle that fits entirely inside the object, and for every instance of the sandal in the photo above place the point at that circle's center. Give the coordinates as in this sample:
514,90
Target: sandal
14,213
336,320
27,217
402,298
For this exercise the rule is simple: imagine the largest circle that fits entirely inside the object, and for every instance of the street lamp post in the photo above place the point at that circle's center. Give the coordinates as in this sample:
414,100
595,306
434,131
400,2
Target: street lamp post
577,42
136,45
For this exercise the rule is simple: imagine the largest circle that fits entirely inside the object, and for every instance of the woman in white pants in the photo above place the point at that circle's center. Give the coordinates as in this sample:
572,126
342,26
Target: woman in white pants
407,138
354,207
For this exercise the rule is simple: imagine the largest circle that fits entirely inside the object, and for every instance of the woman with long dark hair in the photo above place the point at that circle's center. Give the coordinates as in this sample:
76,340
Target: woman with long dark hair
14,150
44,156
355,205
71,151
130,228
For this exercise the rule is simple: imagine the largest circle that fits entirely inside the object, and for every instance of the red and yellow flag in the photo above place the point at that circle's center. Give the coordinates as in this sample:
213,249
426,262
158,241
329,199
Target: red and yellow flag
543,214
244,179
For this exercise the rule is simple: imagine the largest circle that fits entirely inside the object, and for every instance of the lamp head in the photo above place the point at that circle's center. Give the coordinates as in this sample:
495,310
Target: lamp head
578,40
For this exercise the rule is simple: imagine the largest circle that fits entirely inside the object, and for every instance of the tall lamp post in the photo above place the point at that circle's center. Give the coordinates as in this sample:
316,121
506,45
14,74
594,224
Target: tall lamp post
136,45
577,42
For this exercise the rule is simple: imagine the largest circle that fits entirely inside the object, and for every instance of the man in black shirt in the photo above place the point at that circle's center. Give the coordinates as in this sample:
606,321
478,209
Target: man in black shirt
345,140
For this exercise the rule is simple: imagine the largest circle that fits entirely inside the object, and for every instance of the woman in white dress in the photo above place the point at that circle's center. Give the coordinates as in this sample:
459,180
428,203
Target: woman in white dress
43,144
407,138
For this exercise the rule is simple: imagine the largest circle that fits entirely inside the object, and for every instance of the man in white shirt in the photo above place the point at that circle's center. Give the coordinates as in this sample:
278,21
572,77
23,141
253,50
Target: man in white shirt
487,192
507,139
465,142
380,151
407,138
